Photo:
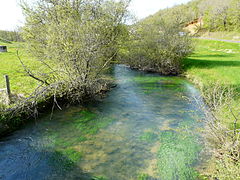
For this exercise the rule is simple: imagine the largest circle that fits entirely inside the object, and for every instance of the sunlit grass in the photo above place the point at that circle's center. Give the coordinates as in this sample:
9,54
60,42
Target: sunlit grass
11,66
215,62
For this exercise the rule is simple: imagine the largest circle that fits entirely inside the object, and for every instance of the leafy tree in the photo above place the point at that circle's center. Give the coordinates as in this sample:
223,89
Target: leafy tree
234,15
157,46
75,40
218,15
10,35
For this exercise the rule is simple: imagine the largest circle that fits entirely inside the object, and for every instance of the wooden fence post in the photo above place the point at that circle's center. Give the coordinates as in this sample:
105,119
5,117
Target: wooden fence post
8,90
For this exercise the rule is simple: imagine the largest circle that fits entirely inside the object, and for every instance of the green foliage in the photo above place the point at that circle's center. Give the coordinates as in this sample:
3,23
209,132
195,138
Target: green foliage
74,41
8,36
148,136
156,46
218,15
227,169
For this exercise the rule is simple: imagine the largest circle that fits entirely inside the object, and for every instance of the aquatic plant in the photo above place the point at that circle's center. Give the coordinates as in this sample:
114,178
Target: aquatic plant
177,155
148,136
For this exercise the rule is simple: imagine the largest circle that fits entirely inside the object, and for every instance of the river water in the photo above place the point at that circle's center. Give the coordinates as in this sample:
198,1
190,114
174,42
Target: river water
147,128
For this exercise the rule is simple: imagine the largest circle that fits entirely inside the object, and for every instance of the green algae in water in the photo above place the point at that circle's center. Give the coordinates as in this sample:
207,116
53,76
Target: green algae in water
58,159
72,154
99,178
143,177
83,125
80,141
149,137
177,154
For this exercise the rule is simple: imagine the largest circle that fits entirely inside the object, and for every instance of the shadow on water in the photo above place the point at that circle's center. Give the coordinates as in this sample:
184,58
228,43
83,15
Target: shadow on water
146,128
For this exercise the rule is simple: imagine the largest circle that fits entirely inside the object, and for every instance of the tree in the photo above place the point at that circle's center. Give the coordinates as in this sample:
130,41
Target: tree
75,40
157,45
234,15
8,36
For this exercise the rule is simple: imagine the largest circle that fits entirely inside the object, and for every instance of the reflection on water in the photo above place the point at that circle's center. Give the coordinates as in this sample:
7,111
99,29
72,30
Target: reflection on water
146,128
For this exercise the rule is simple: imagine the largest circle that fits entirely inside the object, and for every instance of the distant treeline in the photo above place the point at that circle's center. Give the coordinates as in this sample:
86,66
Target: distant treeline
9,36
218,15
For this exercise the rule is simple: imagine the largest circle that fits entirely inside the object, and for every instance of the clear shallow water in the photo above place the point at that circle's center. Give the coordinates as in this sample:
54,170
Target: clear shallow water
146,128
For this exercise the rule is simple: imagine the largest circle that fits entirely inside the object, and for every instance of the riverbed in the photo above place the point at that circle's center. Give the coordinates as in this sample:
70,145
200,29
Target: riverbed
148,127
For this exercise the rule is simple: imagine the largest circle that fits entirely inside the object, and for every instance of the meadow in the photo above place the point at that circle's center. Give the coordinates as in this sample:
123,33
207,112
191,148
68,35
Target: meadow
214,61
11,66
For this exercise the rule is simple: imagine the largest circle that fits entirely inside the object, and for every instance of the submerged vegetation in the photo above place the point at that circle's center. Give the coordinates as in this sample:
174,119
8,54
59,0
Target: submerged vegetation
71,44
127,135
177,155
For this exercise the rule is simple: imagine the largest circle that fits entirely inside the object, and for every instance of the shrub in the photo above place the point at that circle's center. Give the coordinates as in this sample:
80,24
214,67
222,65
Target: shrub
157,46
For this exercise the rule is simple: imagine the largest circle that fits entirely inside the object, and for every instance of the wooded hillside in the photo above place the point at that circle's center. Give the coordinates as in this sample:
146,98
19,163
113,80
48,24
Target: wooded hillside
218,15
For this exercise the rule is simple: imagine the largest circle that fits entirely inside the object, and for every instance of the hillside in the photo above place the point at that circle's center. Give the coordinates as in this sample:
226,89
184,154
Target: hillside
216,15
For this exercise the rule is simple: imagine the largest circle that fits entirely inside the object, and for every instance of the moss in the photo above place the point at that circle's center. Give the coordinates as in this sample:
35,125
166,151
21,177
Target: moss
149,137
72,154
90,124
176,155
59,160
99,178
143,177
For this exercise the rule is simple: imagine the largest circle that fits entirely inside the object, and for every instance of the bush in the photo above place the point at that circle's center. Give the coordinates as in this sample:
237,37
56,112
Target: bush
222,132
157,46
73,40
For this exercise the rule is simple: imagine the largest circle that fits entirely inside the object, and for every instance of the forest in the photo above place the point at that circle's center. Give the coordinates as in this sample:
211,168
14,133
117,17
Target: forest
218,15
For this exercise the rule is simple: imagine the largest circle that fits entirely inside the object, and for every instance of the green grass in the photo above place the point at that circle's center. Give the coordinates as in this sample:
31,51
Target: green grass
214,61
10,65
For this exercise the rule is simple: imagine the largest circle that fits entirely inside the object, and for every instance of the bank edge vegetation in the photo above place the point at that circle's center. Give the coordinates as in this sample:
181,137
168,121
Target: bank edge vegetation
75,41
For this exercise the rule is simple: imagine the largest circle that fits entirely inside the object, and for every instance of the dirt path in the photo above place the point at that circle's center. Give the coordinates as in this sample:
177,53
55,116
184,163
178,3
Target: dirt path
215,39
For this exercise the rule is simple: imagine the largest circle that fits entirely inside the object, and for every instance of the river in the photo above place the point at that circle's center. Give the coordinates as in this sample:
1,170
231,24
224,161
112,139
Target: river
147,128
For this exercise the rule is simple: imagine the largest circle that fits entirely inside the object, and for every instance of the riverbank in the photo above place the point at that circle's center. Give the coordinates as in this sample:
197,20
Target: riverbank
26,104
215,68
29,100
15,115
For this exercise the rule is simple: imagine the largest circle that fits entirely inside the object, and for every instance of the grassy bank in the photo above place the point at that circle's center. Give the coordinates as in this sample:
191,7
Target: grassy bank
24,102
10,65
214,61
215,67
